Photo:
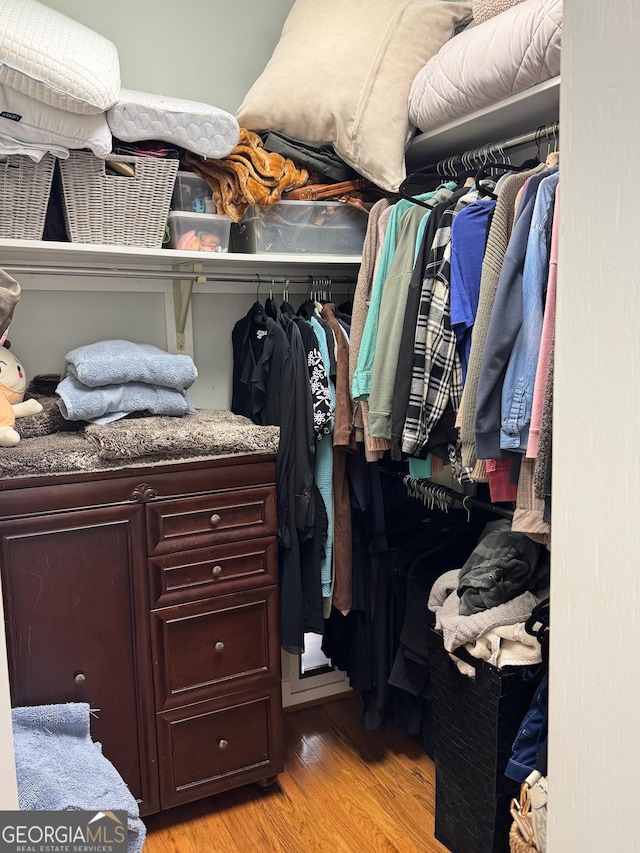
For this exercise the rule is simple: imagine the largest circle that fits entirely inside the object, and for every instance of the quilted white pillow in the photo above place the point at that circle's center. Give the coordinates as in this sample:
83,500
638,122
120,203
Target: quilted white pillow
56,60
205,130
37,125
503,56
340,75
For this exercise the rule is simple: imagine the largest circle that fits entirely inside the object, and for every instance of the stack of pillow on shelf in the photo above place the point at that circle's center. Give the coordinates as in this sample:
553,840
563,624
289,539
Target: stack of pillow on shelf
510,47
61,90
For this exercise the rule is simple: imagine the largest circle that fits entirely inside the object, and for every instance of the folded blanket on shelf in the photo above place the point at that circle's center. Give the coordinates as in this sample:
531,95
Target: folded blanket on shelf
249,175
59,767
114,362
207,432
106,403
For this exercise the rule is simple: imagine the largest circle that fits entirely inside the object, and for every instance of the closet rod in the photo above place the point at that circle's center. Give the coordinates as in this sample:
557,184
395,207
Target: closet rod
182,275
541,134
549,131
465,500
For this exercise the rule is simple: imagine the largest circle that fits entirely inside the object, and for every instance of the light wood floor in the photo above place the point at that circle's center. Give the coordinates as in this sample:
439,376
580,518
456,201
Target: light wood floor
344,790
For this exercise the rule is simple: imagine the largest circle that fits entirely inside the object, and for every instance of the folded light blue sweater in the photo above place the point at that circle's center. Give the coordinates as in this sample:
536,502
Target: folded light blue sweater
109,402
59,767
115,362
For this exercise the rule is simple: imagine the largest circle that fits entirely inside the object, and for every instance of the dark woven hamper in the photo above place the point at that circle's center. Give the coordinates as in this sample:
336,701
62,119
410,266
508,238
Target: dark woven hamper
475,722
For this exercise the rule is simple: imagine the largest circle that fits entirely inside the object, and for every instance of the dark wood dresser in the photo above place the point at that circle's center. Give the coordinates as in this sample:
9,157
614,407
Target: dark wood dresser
152,594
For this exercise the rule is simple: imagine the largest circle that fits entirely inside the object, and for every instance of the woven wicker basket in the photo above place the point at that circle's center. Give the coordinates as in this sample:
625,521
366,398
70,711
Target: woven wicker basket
115,209
24,194
475,722
517,843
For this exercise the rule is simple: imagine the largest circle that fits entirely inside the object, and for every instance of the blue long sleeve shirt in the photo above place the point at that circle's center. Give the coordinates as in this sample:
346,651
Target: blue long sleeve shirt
519,380
468,242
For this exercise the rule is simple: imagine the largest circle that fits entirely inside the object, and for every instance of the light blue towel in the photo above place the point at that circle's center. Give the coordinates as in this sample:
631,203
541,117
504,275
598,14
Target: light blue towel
59,767
110,402
115,362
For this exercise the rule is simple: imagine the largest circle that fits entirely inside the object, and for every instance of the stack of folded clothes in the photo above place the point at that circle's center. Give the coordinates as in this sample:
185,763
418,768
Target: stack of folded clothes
107,380
485,605
60,90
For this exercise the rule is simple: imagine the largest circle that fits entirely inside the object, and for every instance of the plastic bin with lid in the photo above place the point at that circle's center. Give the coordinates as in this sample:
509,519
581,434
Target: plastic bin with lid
313,227
193,194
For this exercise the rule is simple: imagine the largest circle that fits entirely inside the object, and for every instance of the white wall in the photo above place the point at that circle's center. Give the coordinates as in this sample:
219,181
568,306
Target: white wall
595,593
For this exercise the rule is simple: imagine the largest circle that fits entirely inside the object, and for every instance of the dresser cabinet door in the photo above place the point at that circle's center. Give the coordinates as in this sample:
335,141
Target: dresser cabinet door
77,624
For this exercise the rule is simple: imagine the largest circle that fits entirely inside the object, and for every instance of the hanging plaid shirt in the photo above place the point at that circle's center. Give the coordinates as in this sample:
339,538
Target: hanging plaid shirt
437,373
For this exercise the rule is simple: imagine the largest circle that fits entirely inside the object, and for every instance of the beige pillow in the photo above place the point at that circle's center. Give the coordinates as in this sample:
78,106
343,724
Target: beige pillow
341,74
485,9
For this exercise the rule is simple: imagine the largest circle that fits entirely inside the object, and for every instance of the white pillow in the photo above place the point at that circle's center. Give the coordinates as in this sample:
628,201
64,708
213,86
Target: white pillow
205,130
501,57
56,60
32,123
341,74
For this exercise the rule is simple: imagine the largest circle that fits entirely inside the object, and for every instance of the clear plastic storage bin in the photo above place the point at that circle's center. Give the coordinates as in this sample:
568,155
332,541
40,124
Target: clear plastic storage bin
193,194
198,232
313,227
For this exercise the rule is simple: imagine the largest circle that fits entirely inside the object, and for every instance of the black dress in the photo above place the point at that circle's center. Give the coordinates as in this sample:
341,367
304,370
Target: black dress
271,387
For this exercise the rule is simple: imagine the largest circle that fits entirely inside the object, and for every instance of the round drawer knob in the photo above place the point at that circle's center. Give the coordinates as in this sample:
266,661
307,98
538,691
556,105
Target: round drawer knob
79,678
215,518
219,647
216,570
223,744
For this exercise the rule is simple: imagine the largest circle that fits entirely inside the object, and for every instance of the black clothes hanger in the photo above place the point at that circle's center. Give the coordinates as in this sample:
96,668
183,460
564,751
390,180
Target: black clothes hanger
308,308
258,313
419,182
347,306
270,307
287,308
482,174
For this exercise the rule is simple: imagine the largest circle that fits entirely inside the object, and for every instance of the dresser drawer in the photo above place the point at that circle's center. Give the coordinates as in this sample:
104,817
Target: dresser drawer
201,573
210,647
197,522
218,745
